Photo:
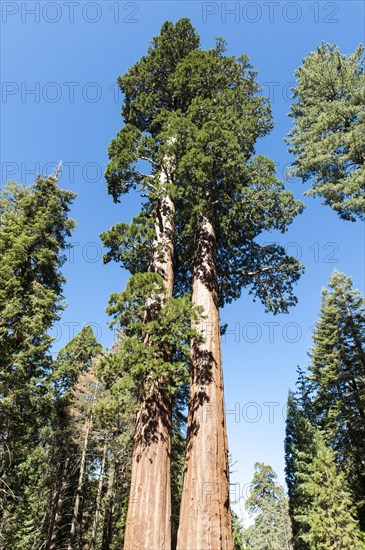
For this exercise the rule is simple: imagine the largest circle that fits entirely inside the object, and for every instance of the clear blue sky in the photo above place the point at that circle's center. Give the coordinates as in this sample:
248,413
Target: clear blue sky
70,55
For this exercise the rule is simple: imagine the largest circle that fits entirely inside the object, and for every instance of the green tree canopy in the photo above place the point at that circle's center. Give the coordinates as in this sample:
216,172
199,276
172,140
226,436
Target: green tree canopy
331,515
328,137
268,504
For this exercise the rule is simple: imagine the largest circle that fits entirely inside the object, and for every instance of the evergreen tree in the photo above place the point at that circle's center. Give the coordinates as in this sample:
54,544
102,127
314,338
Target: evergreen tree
298,439
328,138
198,134
73,361
226,198
151,356
34,226
330,515
298,443
268,504
147,244
337,375
237,532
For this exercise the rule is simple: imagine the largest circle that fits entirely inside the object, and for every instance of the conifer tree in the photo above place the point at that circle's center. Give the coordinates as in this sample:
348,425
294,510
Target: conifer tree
328,138
227,197
298,443
237,532
73,361
330,517
204,128
147,244
34,227
268,504
155,332
337,375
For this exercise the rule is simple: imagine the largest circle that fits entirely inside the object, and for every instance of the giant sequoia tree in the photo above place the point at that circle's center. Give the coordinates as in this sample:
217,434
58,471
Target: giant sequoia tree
227,197
195,116
328,137
147,244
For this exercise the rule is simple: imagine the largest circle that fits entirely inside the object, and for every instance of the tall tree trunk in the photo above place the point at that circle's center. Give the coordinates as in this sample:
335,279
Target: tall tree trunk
148,524
52,543
76,508
109,505
205,517
98,498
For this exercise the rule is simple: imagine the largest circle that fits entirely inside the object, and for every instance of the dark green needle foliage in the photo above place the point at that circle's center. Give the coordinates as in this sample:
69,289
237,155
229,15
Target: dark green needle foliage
206,113
219,177
330,518
154,337
237,532
329,400
337,375
328,137
298,444
34,227
137,155
74,359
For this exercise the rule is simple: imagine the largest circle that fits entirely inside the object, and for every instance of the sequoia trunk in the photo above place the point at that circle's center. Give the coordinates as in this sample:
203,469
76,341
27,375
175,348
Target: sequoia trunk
148,524
205,517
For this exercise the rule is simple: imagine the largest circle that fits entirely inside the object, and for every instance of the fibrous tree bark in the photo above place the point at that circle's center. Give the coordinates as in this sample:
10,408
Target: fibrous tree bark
148,522
205,512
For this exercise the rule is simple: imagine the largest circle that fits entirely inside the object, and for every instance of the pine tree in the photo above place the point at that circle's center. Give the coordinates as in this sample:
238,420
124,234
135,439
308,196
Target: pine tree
268,504
34,226
330,515
329,121
337,375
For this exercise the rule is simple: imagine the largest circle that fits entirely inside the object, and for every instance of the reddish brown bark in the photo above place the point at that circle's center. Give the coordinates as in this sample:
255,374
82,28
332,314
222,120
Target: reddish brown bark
148,524
205,518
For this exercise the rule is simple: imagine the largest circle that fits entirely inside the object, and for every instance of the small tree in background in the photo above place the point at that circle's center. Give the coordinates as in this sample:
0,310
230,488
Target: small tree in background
269,506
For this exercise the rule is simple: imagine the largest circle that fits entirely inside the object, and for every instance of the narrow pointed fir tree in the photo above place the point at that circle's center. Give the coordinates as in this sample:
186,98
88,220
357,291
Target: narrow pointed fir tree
337,375
330,518
34,227
298,442
147,244
328,137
